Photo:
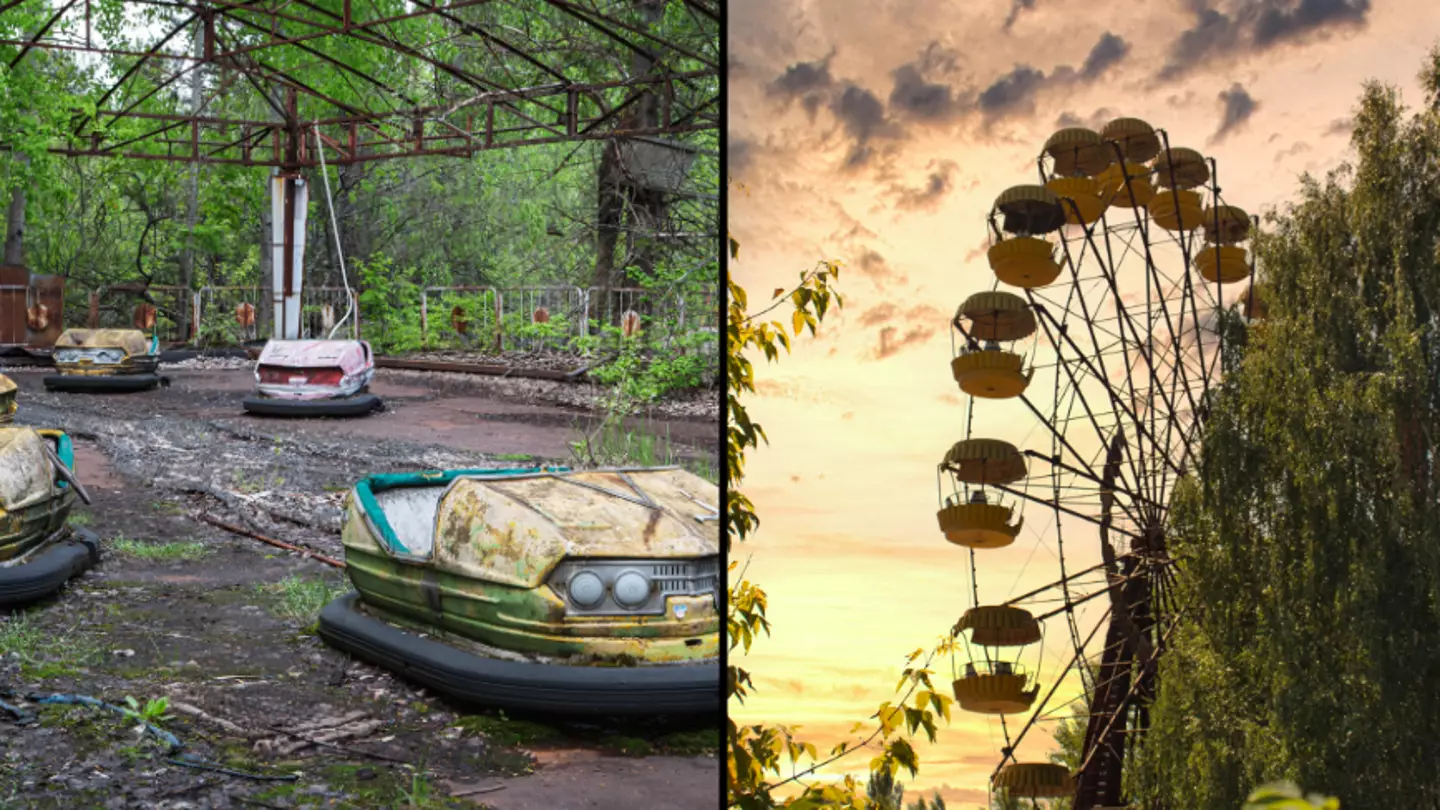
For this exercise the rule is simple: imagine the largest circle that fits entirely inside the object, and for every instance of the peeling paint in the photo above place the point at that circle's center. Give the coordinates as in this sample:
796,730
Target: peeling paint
498,539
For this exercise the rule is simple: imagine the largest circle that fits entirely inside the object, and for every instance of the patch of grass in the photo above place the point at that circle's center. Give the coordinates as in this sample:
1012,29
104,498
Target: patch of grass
336,487
143,550
502,730
80,518
167,507
513,457
612,444
630,746
371,788
705,741
299,598
43,652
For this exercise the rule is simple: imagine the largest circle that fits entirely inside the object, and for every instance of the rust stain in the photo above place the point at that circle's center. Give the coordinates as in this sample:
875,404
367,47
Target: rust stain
630,323
650,525
38,317
145,317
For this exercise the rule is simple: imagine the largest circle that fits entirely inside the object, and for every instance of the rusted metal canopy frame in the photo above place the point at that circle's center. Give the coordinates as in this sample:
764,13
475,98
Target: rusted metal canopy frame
495,117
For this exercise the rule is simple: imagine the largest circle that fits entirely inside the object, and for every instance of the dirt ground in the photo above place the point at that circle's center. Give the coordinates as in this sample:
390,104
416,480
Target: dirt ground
223,626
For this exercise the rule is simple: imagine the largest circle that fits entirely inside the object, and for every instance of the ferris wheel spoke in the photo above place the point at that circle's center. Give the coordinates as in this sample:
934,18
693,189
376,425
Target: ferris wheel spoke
1009,754
1115,398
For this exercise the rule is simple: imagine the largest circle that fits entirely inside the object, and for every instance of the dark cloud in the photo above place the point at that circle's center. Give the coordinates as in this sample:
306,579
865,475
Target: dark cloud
1255,26
804,77
739,155
1277,23
977,251
860,113
939,183
808,82
1236,108
917,320
1341,126
863,117
1297,148
881,313
916,98
1013,92
1109,51
1096,120
874,266
1017,6
893,341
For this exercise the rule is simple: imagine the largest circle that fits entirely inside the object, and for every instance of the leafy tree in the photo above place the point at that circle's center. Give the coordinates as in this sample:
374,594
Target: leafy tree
935,803
1310,539
759,755
884,792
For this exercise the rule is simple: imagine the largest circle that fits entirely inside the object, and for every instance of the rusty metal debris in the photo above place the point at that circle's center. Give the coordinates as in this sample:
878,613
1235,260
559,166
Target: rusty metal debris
304,552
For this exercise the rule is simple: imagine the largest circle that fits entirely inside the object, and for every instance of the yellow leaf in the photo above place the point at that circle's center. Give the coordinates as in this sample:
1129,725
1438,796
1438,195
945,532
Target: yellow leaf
798,321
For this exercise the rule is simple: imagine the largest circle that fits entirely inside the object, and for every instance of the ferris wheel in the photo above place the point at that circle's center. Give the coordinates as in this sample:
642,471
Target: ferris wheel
1112,340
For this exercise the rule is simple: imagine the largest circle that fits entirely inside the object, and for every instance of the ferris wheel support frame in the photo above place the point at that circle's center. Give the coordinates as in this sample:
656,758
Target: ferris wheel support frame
1143,610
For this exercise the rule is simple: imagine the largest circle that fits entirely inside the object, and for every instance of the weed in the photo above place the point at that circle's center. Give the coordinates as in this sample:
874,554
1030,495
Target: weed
630,746
513,457
80,518
502,730
612,444
144,550
702,742
44,653
300,598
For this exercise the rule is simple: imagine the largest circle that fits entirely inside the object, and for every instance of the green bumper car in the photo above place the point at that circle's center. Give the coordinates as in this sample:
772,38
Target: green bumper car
590,592
38,552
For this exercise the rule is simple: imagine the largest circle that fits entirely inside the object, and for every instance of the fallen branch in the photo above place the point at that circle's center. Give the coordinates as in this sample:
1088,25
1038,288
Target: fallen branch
197,712
580,372
477,791
304,552
312,741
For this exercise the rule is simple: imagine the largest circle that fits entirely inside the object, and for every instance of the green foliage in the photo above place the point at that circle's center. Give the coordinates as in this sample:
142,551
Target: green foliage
934,803
1287,796
759,755
884,792
1310,539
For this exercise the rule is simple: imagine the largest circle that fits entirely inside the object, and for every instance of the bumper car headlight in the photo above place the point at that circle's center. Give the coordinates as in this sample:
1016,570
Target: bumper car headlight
632,590
586,590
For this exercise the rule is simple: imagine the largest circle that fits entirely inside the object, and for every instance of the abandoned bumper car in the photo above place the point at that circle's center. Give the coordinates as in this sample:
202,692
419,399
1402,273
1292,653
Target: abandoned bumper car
314,378
38,551
546,590
105,360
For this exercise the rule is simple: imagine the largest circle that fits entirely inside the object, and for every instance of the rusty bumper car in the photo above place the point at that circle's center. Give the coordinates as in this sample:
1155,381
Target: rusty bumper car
299,378
97,361
38,552
538,589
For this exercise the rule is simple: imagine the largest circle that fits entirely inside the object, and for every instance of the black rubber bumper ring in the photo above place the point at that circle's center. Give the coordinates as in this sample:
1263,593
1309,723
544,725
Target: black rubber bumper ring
117,384
43,574
358,405
691,688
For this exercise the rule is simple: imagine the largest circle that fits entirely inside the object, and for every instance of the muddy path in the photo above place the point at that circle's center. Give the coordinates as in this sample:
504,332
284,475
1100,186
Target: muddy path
223,627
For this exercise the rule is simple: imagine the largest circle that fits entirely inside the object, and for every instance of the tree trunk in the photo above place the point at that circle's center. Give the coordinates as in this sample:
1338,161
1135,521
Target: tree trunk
610,211
15,223
617,193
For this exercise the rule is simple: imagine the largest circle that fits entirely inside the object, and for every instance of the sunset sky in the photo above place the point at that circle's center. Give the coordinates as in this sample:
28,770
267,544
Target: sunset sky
879,134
